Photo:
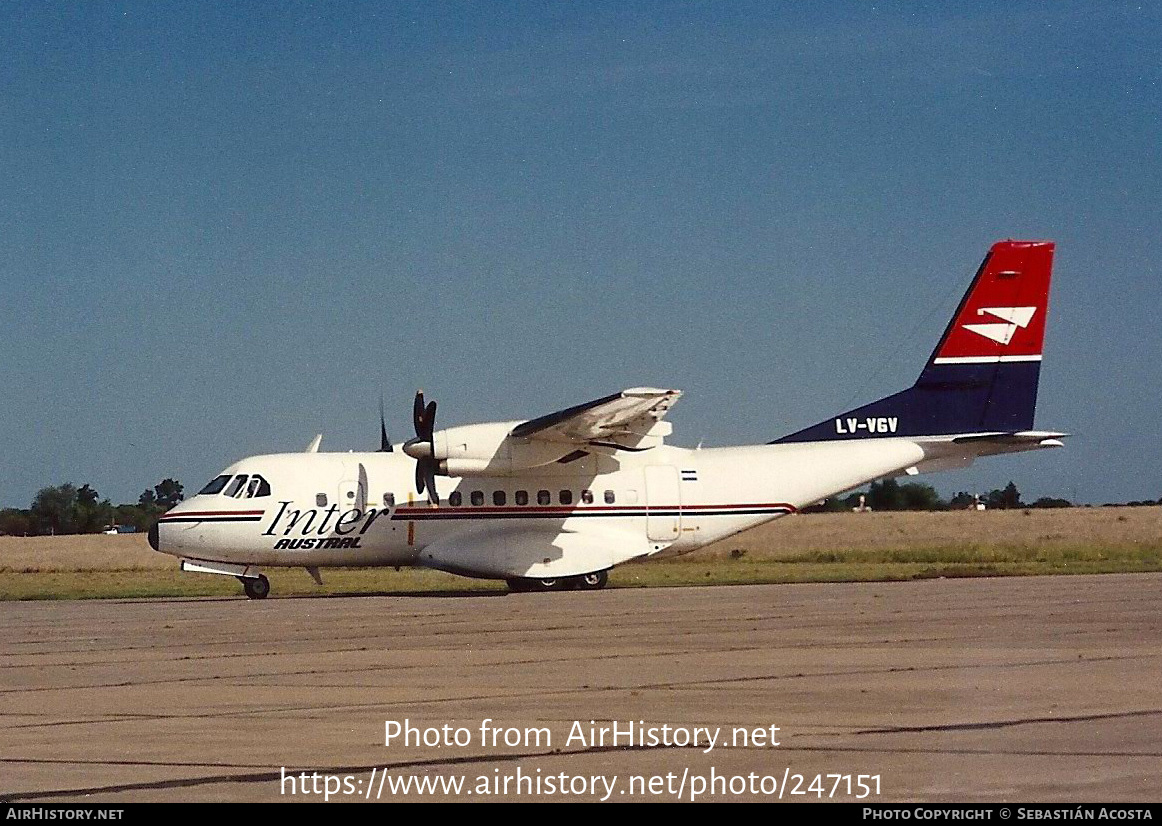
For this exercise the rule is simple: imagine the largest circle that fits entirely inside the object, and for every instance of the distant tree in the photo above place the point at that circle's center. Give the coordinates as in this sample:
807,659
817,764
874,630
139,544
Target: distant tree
87,496
15,522
890,495
1051,502
141,518
168,493
918,496
92,514
885,495
54,510
963,500
147,499
1008,498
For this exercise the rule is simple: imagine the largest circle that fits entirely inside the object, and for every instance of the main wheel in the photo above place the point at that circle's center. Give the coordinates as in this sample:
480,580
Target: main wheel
523,584
593,582
256,587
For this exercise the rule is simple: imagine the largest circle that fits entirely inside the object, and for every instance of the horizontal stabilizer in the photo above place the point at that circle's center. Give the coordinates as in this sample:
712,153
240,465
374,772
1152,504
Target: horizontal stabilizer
1026,438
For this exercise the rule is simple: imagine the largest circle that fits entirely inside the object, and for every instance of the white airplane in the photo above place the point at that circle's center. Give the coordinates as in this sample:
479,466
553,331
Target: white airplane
555,502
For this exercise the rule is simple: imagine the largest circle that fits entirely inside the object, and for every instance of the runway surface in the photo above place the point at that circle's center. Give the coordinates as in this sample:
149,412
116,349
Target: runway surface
1024,690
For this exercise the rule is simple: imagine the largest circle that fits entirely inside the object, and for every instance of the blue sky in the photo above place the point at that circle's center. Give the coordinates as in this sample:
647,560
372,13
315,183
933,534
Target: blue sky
226,227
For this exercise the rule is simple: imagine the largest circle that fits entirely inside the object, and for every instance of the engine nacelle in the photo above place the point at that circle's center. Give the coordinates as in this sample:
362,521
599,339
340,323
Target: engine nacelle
490,449
487,449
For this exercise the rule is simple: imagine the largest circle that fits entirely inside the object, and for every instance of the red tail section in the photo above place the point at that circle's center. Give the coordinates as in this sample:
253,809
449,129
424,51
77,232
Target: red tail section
1002,317
982,377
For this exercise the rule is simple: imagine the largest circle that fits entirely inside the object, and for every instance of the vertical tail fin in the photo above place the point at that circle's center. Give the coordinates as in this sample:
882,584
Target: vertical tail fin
982,376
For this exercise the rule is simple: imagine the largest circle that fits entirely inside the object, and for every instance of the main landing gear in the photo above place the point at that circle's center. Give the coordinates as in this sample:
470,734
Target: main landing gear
587,582
255,587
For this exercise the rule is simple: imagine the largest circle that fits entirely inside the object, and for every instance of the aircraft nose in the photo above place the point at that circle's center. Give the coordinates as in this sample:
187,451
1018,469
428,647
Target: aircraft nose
153,537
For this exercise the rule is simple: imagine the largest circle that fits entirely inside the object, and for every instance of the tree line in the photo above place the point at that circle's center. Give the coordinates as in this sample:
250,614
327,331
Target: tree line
67,509
890,495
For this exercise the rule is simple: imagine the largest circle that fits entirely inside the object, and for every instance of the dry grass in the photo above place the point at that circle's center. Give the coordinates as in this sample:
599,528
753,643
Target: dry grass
1048,530
124,552
820,547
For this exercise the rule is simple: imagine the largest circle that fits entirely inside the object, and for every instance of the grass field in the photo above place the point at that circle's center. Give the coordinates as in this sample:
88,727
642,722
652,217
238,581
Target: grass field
814,548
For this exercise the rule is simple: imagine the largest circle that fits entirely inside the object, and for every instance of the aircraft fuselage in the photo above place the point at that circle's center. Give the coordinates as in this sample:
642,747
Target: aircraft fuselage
362,509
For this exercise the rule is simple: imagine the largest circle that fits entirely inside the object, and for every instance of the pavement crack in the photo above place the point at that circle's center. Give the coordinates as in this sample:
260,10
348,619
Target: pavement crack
998,724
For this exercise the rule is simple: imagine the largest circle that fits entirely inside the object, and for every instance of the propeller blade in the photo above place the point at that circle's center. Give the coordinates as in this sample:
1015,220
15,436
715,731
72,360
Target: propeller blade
418,414
426,479
424,419
430,467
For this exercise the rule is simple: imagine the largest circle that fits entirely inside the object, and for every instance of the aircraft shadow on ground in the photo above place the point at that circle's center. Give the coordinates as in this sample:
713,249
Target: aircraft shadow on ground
444,594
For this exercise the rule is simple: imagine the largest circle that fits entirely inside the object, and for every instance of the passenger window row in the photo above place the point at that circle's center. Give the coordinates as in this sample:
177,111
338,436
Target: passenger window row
544,497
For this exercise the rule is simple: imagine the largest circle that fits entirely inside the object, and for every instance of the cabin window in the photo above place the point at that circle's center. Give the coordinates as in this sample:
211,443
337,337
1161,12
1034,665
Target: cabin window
320,500
609,497
389,500
587,497
566,497
522,497
235,487
498,497
544,498
477,497
455,499
215,485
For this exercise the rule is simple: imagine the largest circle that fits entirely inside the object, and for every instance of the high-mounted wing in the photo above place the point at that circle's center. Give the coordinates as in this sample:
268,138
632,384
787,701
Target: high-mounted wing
620,421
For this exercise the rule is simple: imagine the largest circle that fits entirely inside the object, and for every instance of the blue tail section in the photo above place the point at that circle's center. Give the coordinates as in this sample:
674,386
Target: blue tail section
982,376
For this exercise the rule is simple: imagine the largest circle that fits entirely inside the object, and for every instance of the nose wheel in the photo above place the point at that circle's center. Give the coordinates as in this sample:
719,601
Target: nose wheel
256,587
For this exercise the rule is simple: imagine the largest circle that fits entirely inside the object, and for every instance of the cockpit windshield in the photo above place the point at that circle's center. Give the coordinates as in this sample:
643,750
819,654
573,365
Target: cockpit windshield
216,484
242,486
235,487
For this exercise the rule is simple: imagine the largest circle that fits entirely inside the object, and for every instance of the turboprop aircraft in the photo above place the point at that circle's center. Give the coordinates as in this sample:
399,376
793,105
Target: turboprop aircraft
555,502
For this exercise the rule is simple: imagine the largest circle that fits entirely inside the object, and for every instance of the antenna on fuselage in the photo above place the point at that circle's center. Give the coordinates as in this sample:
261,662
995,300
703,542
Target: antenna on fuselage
313,447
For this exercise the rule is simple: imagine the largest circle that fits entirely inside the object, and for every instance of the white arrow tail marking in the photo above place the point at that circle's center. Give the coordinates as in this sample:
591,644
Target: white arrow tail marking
1003,333
1000,333
1021,316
